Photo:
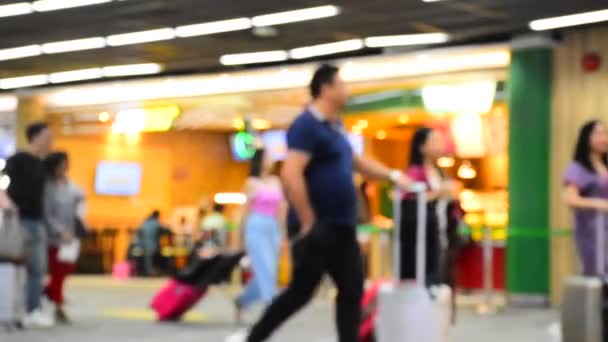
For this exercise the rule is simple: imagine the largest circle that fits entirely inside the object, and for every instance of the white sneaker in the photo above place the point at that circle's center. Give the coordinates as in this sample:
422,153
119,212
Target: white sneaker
38,319
240,336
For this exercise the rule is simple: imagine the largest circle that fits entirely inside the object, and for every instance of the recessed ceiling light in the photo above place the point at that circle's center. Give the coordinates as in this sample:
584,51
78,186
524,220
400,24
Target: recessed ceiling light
23,81
326,49
74,45
54,5
132,70
569,20
141,37
20,52
296,15
407,39
75,75
254,57
213,27
15,9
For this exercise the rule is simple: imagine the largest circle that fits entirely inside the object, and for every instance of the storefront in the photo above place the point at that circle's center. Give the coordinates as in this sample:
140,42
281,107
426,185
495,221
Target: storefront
177,135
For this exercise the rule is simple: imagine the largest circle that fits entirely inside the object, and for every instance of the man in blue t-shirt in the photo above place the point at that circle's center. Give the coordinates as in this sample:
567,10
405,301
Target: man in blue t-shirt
318,179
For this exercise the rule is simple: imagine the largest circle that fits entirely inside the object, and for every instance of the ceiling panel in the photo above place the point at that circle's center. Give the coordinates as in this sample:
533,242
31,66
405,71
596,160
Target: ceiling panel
467,20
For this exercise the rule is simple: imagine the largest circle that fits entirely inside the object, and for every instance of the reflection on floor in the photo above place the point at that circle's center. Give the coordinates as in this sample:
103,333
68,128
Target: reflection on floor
105,310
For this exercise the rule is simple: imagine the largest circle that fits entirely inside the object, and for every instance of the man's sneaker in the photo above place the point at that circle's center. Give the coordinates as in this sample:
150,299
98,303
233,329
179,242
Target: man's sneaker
240,336
38,319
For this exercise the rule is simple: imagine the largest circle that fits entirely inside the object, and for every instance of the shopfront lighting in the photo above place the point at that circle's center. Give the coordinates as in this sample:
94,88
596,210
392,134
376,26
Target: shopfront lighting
468,132
20,52
132,70
569,20
446,162
213,27
74,45
75,75
466,97
326,49
372,68
407,40
140,37
295,16
19,8
129,121
24,81
103,117
8,103
230,198
254,57
54,5
261,124
381,135
467,171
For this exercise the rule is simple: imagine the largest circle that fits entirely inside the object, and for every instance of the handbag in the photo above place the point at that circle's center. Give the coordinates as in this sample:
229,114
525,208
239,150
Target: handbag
12,239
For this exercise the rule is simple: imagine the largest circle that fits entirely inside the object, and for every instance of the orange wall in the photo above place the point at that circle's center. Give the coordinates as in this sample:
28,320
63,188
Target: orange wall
179,169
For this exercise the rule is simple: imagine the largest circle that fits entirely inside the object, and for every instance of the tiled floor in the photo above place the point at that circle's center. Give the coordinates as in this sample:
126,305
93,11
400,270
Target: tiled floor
105,310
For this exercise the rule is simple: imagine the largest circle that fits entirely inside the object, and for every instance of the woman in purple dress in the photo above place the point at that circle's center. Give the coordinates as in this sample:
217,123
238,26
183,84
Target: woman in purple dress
586,190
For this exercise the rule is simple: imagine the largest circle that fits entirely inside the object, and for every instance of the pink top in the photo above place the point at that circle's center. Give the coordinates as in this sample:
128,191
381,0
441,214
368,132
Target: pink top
266,201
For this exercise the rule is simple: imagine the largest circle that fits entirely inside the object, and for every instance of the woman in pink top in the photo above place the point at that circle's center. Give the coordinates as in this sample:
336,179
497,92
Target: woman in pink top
427,147
263,218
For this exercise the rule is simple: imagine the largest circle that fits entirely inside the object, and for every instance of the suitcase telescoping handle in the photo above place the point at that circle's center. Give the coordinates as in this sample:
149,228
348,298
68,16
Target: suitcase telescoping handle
600,249
420,190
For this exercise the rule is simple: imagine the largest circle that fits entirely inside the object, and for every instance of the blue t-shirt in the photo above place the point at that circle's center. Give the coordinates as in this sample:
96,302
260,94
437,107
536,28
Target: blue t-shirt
329,174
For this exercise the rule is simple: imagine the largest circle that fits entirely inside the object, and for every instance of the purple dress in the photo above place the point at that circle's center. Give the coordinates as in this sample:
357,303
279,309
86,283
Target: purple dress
590,185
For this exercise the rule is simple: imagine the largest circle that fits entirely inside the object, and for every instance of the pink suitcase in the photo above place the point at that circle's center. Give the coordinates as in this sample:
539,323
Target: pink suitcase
173,300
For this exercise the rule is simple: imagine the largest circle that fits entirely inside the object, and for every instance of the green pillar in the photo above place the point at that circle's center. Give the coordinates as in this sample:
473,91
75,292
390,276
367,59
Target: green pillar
529,138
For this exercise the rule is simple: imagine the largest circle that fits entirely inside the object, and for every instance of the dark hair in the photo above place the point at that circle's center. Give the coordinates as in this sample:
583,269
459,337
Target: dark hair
155,215
324,75
33,130
256,164
218,208
53,161
582,152
420,138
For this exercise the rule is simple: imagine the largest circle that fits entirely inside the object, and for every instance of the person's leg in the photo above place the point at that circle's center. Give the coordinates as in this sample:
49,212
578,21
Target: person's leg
52,288
36,262
255,245
309,265
346,269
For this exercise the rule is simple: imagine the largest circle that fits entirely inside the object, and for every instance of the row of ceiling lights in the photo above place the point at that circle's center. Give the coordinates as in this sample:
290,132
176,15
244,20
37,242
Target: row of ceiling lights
227,26
168,33
23,8
79,75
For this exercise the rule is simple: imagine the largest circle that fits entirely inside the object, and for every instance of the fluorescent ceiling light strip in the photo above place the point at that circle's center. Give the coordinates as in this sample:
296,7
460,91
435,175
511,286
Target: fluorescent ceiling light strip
19,8
569,20
141,37
54,5
254,57
21,82
75,75
407,39
74,45
20,52
132,70
213,27
296,15
326,49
